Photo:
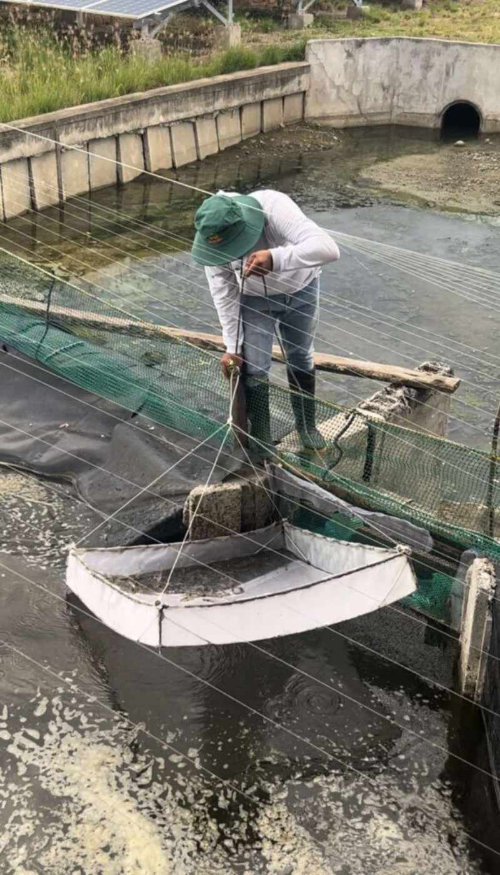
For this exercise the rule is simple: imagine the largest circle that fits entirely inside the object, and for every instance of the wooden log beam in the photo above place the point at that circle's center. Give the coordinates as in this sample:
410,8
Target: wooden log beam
324,362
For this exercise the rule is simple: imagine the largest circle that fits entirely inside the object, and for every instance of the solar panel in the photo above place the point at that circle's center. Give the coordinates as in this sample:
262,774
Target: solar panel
75,5
135,9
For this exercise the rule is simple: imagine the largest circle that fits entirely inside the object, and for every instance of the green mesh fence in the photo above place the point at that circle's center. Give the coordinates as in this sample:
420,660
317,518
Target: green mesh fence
437,484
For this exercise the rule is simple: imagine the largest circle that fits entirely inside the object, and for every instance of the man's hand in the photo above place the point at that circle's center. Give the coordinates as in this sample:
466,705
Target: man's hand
259,263
229,362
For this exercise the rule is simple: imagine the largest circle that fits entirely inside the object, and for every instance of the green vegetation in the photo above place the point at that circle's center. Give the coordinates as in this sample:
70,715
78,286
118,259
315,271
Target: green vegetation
468,20
41,74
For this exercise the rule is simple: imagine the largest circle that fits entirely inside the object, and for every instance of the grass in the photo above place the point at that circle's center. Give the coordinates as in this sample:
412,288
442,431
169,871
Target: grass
468,20
39,74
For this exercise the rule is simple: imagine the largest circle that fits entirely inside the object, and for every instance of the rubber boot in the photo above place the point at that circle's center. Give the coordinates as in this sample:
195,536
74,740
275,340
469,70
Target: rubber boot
302,385
257,401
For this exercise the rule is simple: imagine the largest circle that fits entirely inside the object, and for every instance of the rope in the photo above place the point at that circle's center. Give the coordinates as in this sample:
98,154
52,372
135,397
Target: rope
234,699
170,234
431,259
324,294
153,482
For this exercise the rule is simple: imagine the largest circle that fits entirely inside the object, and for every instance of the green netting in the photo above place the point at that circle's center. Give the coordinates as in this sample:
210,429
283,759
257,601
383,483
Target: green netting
432,482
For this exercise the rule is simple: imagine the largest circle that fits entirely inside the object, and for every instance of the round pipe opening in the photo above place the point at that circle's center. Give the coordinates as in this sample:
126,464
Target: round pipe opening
461,121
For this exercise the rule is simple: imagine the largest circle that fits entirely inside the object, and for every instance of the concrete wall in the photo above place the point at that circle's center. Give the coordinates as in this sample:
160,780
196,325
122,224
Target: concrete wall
158,129
400,80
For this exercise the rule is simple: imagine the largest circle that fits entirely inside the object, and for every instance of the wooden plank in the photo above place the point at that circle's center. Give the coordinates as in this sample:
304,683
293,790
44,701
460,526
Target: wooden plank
324,362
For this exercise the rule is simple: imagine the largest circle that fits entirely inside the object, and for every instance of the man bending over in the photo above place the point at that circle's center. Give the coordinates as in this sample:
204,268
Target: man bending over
263,259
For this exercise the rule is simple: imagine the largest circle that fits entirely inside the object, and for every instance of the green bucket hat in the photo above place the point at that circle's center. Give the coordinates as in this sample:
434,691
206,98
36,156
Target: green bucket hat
226,228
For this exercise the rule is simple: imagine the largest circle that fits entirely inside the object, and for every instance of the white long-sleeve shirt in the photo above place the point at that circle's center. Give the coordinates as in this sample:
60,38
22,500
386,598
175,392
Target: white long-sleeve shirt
298,248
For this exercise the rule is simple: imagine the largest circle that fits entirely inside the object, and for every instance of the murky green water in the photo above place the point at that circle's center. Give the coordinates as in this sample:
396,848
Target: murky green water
329,759
131,244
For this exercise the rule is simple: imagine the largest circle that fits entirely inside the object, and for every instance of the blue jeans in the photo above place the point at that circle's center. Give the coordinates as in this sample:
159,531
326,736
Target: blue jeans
296,317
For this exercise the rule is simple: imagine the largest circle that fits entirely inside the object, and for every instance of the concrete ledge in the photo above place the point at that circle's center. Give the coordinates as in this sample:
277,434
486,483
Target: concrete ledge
475,634
44,180
157,149
16,187
150,131
102,155
251,120
272,114
293,108
206,137
75,177
229,128
183,144
131,153
133,112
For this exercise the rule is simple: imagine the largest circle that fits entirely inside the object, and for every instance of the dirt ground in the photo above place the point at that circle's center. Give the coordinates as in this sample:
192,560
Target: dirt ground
464,178
440,176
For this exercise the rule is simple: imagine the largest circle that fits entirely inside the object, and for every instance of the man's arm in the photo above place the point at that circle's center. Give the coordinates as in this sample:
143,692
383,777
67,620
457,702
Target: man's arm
309,246
225,291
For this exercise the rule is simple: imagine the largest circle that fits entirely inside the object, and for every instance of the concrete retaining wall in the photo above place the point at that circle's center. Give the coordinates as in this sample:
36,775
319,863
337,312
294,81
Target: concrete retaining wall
400,80
154,130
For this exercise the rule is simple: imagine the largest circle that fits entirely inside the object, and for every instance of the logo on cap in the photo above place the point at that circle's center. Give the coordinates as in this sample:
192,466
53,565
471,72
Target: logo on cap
215,238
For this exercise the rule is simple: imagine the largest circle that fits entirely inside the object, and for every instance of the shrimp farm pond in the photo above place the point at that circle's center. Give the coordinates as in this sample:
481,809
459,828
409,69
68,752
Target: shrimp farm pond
343,750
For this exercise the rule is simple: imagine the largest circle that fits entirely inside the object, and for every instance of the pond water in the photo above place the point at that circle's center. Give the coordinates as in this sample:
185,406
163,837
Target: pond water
320,753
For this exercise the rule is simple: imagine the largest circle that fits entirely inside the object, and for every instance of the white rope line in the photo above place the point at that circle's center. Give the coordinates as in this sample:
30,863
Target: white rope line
173,181
153,483
171,443
198,300
373,422
108,304
206,322
235,582
411,272
188,240
193,515
271,549
245,535
138,727
240,702
445,264
65,379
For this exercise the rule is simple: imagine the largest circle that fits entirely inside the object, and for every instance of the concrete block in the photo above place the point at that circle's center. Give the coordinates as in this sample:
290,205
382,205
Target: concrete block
272,114
251,120
44,180
214,509
228,36
16,187
229,128
75,176
299,20
475,633
206,136
102,162
257,508
183,143
157,148
293,108
130,156
240,505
